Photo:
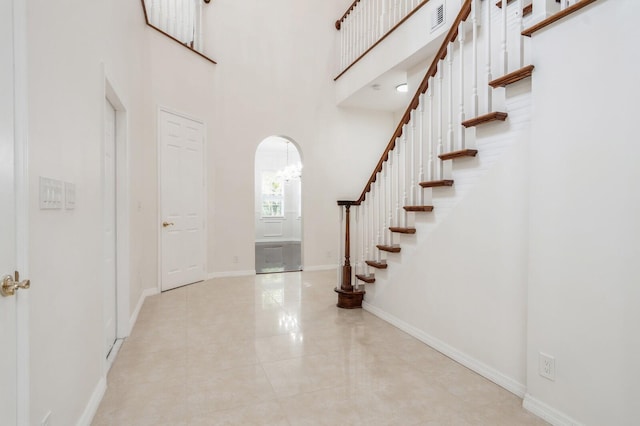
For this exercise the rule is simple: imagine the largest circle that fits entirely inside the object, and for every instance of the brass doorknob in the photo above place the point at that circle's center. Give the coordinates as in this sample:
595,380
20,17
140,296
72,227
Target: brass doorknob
9,285
165,224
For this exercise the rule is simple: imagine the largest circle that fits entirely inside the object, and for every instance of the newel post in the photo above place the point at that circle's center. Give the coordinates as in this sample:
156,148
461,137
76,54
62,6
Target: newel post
348,297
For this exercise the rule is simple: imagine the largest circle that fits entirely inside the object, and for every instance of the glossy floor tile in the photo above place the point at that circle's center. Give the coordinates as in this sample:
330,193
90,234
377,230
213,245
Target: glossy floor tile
275,350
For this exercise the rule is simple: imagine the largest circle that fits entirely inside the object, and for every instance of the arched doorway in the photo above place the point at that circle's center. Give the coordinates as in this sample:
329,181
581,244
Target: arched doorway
278,206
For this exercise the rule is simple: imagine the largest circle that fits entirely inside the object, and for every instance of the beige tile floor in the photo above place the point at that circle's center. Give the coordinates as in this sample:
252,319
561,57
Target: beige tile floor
275,350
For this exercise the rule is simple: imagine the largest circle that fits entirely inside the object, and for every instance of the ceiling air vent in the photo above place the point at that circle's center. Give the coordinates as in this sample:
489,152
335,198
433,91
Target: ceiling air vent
437,17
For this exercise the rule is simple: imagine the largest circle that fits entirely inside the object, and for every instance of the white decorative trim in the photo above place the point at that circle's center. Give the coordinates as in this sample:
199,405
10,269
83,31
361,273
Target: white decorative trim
227,274
134,316
93,404
319,268
478,366
547,412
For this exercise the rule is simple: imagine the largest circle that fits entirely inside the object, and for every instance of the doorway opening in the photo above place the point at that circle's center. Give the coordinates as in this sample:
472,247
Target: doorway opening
116,231
278,206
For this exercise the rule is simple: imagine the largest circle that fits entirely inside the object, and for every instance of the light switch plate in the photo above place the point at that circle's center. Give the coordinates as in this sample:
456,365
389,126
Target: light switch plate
69,195
50,194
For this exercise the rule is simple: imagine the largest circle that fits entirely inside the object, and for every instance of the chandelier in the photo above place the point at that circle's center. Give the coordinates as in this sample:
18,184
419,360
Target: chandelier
290,171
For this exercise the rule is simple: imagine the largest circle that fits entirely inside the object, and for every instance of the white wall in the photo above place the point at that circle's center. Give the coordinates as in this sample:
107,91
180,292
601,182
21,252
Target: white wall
68,44
275,78
584,283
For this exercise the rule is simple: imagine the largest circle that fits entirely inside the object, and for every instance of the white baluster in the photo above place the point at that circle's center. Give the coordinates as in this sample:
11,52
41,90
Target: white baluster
397,150
365,234
389,189
412,159
440,120
487,34
461,131
450,133
405,181
200,28
520,28
430,139
474,59
421,149
503,44
382,212
341,250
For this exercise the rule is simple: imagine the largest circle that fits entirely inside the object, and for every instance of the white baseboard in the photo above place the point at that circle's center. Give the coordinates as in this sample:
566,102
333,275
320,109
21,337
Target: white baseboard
319,268
94,402
134,316
547,412
227,274
478,366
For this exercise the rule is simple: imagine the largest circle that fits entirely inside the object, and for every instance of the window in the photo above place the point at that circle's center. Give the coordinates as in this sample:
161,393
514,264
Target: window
272,194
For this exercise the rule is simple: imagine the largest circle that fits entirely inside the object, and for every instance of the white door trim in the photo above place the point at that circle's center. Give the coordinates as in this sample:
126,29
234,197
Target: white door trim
205,185
21,135
122,209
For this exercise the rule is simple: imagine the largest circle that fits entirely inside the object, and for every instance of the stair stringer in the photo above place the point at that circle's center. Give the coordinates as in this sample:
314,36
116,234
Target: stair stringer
459,284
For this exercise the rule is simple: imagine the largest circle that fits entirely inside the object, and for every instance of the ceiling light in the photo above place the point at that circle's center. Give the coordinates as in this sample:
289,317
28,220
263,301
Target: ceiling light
402,88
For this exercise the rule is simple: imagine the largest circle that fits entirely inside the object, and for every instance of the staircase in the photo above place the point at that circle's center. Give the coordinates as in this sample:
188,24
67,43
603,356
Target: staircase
461,111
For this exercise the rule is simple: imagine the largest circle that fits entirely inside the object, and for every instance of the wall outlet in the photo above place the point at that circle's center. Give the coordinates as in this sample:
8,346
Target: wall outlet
547,366
235,259
329,255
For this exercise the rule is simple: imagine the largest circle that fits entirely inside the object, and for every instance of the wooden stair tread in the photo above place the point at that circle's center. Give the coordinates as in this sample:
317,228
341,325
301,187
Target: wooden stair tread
487,118
369,279
556,17
378,265
418,208
458,154
436,183
401,230
512,77
390,249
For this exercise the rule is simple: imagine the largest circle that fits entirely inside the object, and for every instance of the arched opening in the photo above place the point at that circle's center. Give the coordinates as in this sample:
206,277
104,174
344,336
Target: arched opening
278,206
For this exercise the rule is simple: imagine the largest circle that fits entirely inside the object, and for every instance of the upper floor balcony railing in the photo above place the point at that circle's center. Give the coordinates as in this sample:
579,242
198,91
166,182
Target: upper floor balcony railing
367,22
180,20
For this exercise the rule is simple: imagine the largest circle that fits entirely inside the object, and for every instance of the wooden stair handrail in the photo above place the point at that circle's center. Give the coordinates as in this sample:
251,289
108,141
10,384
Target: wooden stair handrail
556,17
339,21
451,36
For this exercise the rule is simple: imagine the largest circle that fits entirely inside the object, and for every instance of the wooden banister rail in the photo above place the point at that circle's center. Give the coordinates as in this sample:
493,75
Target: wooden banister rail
556,17
451,36
339,21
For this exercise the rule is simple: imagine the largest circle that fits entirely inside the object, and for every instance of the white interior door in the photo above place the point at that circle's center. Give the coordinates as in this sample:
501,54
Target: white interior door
182,200
8,308
109,190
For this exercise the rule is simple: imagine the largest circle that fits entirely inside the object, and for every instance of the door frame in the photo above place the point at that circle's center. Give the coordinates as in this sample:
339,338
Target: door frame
123,320
205,186
21,164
